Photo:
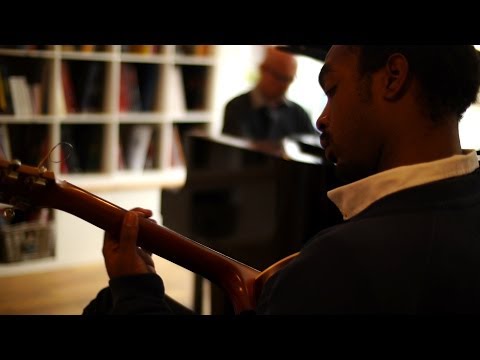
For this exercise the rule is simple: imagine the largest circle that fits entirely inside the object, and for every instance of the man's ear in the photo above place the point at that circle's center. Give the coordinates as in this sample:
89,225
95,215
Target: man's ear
396,79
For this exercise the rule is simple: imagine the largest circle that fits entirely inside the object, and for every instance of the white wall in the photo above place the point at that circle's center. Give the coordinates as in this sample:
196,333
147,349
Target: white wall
235,73
306,90
470,128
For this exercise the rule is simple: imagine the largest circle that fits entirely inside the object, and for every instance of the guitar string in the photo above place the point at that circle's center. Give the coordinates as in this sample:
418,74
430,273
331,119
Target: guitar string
68,153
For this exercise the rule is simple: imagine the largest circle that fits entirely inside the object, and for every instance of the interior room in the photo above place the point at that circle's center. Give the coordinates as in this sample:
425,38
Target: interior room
114,121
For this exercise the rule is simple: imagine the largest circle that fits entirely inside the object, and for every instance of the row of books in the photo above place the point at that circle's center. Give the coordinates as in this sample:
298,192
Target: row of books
84,48
138,87
138,148
196,50
22,96
85,150
26,99
25,47
83,87
143,49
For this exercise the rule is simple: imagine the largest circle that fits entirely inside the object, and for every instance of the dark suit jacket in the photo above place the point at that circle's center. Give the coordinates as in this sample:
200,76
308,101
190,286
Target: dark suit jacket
242,119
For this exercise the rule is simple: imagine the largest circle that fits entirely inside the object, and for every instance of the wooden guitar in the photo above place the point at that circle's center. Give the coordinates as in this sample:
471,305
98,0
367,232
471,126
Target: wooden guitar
25,186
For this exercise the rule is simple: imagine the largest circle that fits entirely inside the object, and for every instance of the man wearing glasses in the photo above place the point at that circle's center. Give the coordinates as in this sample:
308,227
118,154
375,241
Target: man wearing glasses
264,113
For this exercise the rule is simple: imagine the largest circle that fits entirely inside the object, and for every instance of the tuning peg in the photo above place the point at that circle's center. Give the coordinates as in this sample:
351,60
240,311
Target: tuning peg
15,163
8,213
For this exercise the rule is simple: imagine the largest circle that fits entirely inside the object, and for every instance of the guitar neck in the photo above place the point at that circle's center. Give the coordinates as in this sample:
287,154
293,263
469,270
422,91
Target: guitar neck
234,277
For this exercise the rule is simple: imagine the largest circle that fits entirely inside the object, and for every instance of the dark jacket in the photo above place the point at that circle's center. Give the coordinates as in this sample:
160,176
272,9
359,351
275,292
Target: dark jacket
415,251
243,120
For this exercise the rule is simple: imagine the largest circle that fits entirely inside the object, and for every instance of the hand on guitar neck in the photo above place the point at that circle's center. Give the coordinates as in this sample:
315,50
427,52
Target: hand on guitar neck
122,256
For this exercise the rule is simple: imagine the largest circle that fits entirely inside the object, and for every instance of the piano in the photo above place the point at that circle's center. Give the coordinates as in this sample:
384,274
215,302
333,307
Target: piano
255,201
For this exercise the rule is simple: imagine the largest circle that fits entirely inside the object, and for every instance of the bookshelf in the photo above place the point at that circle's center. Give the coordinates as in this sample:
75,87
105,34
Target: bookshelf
123,108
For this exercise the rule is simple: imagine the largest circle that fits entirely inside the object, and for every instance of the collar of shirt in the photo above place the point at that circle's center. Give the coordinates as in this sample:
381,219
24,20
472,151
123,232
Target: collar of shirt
353,198
258,100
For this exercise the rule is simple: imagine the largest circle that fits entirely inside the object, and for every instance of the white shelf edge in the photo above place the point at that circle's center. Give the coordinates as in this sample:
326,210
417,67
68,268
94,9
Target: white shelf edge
48,54
124,180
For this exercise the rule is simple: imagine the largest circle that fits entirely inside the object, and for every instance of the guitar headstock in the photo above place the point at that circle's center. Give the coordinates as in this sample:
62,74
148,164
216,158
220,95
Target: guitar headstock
23,186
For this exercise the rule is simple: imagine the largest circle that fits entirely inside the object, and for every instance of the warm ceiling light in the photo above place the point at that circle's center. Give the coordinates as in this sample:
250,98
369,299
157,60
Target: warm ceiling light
477,47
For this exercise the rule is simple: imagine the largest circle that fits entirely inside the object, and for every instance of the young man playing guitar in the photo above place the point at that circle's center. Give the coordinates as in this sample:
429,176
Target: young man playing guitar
410,242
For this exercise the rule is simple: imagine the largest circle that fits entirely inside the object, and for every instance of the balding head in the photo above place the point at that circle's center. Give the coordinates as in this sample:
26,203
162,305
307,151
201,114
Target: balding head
281,61
277,71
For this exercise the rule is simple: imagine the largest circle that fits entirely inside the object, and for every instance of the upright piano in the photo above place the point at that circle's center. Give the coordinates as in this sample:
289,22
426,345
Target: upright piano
255,201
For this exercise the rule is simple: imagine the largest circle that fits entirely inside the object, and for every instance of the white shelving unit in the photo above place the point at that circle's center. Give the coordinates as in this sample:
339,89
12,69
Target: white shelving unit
178,82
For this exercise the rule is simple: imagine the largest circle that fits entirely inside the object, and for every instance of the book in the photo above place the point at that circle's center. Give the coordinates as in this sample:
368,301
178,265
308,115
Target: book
178,156
194,82
130,97
175,97
91,99
27,104
68,89
86,48
5,99
137,146
21,98
147,81
5,150
13,83
141,49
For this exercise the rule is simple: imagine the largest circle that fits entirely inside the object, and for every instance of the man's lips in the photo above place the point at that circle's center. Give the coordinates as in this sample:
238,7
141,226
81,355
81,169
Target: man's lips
323,141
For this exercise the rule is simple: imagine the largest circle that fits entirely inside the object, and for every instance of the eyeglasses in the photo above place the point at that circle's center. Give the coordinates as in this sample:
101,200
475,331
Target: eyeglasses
277,76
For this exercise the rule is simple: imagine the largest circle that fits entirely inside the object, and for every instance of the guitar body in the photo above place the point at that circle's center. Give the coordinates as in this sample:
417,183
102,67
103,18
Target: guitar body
24,187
